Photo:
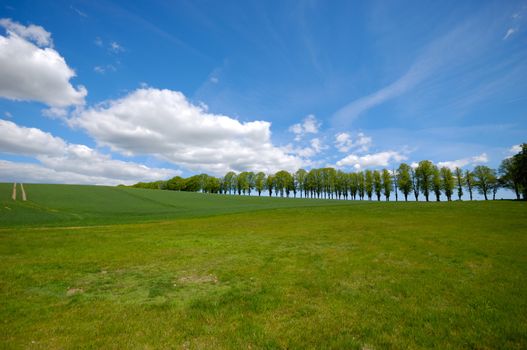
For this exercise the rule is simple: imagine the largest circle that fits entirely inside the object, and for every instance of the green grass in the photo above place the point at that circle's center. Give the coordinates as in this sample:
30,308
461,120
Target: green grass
354,275
67,205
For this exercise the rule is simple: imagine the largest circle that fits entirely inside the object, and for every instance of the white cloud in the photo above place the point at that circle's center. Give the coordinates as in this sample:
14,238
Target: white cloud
32,32
344,142
165,124
317,145
28,141
371,160
104,69
515,149
116,47
509,33
460,163
28,72
55,112
64,162
309,125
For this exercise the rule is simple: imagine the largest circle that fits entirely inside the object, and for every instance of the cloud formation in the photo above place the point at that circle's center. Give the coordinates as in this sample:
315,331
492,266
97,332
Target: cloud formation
31,70
63,162
309,125
344,142
165,124
381,159
460,163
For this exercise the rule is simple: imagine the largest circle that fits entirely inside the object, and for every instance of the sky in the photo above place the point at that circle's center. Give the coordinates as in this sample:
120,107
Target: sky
110,92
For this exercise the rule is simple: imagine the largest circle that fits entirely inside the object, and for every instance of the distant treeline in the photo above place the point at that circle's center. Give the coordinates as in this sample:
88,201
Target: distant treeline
426,179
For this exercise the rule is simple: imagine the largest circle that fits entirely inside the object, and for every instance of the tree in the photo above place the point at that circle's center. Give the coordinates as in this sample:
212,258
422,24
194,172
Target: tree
394,180
259,182
269,184
387,183
460,182
436,183
425,173
368,183
361,184
520,160
377,184
353,184
283,181
447,182
483,179
416,183
513,172
469,182
300,177
404,180
175,184
212,185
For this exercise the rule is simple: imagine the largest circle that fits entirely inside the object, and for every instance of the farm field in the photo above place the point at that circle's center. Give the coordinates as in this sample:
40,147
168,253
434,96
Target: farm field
106,267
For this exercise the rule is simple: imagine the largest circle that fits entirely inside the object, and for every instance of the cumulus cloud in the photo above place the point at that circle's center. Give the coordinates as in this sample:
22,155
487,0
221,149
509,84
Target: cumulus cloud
344,142
371,160
64,162
309,125
31,70
515,149
165,124
315,146
32,32
28,141
460,163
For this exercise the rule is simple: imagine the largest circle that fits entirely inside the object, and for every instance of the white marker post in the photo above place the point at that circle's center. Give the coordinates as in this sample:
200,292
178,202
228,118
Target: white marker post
14,192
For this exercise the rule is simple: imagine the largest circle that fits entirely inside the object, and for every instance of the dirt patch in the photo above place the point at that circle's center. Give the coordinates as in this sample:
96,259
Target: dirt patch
73,291
196,279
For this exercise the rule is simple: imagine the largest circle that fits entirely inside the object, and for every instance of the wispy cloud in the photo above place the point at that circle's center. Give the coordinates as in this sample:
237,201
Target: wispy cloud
444,54
509,33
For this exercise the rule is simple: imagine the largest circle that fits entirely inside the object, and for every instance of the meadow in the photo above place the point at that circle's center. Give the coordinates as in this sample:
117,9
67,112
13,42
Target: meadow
108,267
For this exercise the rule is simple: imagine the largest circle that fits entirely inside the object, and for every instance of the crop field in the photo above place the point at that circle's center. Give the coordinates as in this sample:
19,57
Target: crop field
108,267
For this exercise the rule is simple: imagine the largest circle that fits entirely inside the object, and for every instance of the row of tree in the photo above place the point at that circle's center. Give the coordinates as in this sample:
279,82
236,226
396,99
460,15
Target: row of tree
426,179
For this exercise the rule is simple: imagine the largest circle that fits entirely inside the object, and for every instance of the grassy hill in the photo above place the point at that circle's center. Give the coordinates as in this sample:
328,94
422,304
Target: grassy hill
66,205
274,273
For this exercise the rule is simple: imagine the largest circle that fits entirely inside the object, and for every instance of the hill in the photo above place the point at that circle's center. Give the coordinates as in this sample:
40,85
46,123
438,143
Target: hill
67,205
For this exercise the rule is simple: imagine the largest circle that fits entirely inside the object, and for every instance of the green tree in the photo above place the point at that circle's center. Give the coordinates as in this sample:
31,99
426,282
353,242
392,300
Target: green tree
387,183
513,172
447,182
395,186
300,178
368,183
436,183
520,160
425,173
259,182
469,182
484,177
269,184
460,180
404,180
353,185
361,184
416,183
377,184
175,184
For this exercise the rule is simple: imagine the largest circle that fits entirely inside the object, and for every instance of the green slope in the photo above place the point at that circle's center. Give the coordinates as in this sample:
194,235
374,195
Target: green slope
68,205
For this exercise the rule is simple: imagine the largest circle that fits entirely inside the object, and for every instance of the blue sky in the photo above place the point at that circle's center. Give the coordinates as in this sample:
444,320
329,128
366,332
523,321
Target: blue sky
116,92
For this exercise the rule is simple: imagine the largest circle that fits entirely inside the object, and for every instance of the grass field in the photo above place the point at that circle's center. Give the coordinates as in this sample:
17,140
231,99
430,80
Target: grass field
181,270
